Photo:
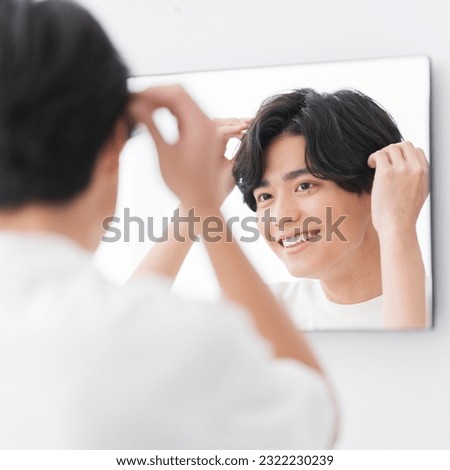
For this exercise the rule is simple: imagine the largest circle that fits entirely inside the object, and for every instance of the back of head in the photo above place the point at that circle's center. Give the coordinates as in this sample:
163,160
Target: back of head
341,130
62,88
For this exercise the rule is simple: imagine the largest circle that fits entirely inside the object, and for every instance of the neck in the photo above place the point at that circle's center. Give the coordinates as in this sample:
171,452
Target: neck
358,277
73,220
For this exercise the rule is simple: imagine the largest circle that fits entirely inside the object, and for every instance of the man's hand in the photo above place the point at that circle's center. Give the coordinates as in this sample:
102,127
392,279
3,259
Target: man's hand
400,186
191,167
399,190
228,128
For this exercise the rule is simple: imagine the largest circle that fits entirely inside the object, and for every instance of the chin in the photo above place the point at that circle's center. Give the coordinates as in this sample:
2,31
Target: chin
303,272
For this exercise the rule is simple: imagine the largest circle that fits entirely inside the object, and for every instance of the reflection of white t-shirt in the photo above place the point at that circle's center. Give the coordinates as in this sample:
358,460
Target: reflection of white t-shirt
311,310
85,364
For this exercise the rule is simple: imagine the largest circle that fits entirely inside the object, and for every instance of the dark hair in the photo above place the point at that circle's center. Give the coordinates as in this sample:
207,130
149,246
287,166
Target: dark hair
341,130
62,88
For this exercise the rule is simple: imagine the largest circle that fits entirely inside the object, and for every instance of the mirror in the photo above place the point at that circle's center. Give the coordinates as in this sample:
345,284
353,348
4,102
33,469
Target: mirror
400,85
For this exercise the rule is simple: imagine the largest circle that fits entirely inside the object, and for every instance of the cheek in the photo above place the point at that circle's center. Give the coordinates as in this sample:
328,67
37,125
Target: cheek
265,228
353,228
350,213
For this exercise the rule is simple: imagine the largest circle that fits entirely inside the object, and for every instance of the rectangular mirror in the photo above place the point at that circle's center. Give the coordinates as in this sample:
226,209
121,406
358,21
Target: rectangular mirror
400,85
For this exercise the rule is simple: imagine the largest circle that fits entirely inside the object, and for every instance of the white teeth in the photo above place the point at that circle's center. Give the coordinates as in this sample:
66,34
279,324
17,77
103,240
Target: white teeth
297,239
289,241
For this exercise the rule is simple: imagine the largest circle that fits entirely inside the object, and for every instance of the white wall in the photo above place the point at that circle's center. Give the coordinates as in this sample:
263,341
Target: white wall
394,388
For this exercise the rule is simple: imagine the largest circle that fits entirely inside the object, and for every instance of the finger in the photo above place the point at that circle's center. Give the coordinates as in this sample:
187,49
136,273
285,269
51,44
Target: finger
168,96
396,157
414,154
226,121
414,157
228,132
420,167
422,158
247,122
408,151
379,159
178,102
425,167
142,113
242,122
407,148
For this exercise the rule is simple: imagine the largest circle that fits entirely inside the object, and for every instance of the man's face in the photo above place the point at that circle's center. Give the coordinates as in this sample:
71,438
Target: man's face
315,225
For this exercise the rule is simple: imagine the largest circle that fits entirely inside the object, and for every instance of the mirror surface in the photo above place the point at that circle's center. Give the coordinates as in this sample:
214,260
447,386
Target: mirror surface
399,85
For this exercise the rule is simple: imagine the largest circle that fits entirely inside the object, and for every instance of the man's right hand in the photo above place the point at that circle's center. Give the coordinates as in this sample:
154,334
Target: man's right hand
191,167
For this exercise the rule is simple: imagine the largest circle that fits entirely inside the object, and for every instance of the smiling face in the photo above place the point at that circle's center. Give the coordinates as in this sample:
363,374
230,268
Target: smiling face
316,228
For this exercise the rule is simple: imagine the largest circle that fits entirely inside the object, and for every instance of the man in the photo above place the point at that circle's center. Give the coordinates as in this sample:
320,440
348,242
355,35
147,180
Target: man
84,364
313,161
337,195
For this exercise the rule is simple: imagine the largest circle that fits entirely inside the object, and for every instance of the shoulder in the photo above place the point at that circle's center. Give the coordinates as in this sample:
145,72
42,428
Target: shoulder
311,310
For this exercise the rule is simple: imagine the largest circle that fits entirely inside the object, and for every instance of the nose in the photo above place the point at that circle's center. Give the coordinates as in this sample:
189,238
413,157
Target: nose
285,211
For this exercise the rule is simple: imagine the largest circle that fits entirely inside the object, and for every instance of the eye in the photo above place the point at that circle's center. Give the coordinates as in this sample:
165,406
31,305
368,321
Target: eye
263,197
305,186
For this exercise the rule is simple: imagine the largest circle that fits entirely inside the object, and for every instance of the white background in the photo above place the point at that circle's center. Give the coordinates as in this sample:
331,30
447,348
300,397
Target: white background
393,388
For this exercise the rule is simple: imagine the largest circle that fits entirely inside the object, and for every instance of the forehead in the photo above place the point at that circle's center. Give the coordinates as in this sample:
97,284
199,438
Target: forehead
285,154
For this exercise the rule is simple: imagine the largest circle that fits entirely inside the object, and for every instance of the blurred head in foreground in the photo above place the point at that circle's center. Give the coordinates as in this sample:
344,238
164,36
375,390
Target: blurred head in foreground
63,97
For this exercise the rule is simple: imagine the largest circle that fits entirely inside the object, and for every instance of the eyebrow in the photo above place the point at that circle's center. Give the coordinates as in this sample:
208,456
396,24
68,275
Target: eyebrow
292,175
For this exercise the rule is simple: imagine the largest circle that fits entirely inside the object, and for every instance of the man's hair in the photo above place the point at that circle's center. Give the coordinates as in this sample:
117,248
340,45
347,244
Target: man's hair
341,130
62,88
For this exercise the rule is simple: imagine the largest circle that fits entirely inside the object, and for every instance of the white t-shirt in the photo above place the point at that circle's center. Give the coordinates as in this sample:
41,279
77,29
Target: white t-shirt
87,365
311,310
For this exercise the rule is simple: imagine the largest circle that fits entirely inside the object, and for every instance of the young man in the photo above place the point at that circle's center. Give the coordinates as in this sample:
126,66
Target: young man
337,194
84,364
341,195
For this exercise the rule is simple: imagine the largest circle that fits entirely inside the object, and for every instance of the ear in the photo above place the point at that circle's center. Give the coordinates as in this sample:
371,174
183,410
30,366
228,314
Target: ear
108,158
